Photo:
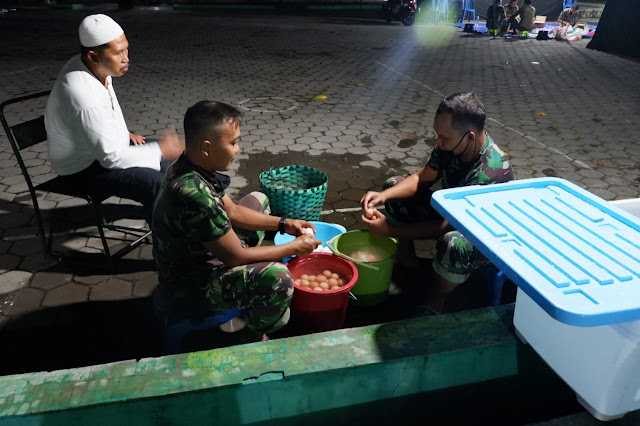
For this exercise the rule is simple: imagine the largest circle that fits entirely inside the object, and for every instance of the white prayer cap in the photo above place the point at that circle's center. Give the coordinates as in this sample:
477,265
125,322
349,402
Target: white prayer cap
96,30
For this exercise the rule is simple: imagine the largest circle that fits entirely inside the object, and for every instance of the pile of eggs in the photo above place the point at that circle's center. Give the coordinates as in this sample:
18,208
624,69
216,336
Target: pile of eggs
324,281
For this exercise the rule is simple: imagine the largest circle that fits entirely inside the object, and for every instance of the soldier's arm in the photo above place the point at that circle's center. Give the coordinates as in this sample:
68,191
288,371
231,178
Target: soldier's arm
247,218
422,179
228,249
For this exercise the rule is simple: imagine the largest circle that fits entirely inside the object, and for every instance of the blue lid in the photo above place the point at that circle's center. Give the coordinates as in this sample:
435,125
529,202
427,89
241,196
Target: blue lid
572,252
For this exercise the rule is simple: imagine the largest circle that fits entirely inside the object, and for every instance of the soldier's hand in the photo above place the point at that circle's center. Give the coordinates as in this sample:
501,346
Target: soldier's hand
378,224
296,226
305,244
371,199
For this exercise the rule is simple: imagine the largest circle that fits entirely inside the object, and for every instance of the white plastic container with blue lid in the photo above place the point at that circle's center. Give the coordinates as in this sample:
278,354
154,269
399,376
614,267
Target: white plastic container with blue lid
576,261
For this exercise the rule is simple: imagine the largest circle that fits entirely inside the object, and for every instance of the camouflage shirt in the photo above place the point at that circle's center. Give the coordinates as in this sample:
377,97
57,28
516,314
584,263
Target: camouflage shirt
189,211
491,166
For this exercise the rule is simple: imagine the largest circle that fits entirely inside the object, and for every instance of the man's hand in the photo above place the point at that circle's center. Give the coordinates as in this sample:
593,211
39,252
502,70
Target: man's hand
171,145
137,139
295,226
304,245
371,199
378,224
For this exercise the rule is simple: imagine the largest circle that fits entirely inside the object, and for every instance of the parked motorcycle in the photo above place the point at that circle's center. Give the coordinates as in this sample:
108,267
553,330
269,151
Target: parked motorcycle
403,10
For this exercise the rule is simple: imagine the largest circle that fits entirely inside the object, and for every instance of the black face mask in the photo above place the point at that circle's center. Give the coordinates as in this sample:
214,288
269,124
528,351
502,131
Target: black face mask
454,148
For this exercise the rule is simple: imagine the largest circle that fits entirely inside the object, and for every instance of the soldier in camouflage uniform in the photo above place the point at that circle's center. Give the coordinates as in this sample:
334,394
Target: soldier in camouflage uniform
464,155
206,263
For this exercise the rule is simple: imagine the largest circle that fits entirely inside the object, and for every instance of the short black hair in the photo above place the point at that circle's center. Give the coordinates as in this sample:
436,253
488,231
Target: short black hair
497,1
97,49
576,7
527,1
467,112
203,117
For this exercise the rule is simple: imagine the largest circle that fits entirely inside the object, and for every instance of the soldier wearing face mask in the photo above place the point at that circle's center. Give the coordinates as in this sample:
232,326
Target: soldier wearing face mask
464,155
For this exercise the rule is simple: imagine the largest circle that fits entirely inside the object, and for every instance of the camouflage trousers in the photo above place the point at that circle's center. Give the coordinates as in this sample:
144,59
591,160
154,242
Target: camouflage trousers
456,258
264,289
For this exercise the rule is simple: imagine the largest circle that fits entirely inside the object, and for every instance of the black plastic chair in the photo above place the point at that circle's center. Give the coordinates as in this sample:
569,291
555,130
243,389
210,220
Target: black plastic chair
28,133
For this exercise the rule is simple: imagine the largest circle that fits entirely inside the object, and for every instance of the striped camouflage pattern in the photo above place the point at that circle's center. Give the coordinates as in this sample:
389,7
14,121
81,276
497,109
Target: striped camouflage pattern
265,288
491,166
189,211
456,257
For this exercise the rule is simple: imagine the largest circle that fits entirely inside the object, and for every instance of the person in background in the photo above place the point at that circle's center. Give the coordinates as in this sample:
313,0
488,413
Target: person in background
496,18
464,155
207,247
89,143
527,15
511,8
510,11
569,16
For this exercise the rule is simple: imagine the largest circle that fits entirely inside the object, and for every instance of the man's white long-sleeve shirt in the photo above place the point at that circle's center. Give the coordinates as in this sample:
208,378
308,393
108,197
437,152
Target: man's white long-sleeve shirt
84,123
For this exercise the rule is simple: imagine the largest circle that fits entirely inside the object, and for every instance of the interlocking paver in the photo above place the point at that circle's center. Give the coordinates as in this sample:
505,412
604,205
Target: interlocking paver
145,286
112,289
26,300
13,280
378,113
49,280
66,294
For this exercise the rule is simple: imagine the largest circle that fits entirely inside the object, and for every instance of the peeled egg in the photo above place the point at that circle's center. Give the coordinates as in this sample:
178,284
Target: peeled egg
368,213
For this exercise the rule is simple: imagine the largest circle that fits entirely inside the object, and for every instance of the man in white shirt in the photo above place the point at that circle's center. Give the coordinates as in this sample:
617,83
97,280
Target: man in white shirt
88,137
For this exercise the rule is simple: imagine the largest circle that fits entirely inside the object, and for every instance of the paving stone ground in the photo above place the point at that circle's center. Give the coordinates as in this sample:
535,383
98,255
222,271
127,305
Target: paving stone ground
557,108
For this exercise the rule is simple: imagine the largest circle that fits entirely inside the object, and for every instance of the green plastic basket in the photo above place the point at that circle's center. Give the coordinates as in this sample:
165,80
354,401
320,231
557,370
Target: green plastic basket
295,191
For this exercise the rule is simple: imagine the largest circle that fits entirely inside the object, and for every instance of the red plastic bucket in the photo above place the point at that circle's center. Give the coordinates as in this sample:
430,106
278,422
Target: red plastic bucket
314,311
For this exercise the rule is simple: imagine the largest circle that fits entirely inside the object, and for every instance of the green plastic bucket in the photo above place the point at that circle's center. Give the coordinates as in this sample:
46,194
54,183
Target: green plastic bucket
374,278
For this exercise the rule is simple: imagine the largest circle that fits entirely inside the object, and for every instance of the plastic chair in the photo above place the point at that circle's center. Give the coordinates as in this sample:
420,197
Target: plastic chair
175,332
569,3
28,133
468,6
495,280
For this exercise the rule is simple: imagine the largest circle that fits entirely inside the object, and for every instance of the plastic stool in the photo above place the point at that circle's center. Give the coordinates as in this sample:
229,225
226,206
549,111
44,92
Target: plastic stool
174,333
492,32
524,34
495,280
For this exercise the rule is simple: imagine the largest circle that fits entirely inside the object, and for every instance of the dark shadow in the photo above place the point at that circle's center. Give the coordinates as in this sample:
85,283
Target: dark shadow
533,393
79,335
69,218
85,264
506,401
